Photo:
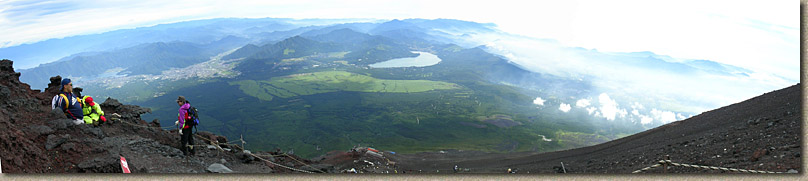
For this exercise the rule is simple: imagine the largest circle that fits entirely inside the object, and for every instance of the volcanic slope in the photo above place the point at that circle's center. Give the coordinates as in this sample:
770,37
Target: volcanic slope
762,133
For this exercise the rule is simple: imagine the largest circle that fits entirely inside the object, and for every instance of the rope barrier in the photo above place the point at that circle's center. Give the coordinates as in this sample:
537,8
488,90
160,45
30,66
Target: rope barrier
649,168
293,158
701,167
290,168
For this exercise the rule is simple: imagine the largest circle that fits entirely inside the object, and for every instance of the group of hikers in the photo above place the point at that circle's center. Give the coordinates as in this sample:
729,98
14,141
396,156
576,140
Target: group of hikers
83,110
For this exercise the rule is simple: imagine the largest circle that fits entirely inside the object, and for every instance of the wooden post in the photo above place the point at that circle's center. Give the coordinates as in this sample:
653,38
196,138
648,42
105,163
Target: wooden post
665,165
563,168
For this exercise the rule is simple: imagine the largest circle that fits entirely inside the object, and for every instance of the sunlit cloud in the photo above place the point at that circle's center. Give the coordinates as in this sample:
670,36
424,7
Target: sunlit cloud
608,107
582,103
564,107
539,101
664,116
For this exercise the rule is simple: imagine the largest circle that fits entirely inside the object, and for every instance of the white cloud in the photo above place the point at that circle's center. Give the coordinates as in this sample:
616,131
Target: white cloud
635,112
637,105
582,103
539,101
622,113
564,107
645,119
664,116
608,107
591,110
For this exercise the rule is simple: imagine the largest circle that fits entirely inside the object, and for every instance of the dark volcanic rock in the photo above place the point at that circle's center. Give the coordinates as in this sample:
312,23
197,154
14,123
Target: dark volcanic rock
40,130
56,114
53,141
104,164
69,147
111,103
90,130
60,124
245,158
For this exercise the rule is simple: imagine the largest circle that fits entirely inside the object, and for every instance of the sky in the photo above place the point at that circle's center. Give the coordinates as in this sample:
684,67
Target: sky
758,35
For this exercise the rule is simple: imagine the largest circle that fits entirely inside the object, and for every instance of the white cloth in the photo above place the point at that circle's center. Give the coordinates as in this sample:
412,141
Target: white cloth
53,101
78,121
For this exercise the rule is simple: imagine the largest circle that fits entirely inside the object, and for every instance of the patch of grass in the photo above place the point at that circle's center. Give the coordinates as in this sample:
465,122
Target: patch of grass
337,54
343,62
288,51
333,81
252,88
294,59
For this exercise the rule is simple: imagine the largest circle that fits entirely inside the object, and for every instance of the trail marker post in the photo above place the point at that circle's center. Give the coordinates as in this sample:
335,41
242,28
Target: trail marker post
124,165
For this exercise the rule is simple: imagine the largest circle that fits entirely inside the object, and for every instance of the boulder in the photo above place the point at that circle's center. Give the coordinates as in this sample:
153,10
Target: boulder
69,147
39,130
54,141
103,164
155,123
60,124
111,103
218,168
57,114
95,131
245,157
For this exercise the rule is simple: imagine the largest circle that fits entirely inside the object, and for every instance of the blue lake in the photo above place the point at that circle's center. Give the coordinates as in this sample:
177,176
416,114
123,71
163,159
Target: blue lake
422,60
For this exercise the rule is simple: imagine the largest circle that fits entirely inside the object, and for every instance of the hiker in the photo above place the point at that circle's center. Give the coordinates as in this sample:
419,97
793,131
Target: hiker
186,139
68,102
92,111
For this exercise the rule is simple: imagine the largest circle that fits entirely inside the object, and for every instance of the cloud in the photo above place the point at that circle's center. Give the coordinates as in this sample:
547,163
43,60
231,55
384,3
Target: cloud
539,101
608,107
683,89
679,116
564,107
645,119
664,116
637,105
591,110
582,103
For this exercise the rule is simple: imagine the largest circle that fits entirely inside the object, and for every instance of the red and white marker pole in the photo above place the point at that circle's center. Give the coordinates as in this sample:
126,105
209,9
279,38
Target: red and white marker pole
124,165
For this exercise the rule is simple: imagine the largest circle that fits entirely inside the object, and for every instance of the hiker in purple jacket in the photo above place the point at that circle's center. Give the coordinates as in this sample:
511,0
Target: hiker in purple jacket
187,139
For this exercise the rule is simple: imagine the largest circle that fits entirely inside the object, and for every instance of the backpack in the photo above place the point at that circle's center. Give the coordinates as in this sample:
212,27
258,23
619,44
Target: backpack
194,114
67,104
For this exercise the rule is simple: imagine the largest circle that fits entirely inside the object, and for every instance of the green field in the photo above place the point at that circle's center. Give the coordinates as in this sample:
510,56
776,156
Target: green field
333,81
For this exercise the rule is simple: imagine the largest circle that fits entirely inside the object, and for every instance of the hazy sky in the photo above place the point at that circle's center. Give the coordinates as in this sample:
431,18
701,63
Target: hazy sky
758,35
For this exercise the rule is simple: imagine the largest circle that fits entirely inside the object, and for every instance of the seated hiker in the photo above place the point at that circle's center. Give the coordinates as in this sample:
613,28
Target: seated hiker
69,103
92,111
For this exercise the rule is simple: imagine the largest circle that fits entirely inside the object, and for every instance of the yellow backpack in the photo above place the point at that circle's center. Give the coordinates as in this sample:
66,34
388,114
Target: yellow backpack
64,97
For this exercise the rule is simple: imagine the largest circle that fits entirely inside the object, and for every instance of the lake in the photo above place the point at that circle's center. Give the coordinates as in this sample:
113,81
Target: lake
422,60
